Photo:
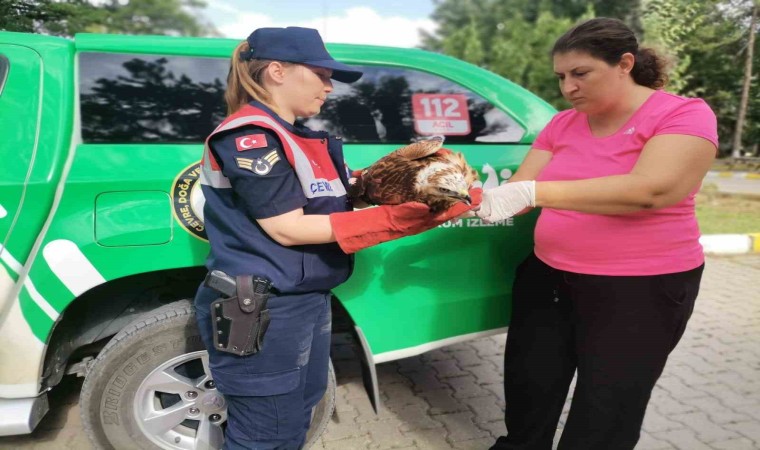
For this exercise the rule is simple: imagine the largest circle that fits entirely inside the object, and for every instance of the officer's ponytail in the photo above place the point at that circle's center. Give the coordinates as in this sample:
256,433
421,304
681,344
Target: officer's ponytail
244,80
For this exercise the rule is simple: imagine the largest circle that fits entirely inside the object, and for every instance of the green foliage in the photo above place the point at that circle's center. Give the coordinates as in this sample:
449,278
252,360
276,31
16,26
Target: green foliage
45,15
514,37
706,42
670,26
521,53
716,50
467,43
67,17
152,17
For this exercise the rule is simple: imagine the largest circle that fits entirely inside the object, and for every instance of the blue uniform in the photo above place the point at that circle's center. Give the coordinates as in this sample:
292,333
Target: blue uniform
256,166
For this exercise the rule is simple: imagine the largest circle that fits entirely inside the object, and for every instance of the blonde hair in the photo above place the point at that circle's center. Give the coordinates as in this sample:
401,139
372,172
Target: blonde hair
245,81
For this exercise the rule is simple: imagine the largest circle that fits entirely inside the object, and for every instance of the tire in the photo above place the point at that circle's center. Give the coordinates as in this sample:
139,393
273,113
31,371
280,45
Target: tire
150,388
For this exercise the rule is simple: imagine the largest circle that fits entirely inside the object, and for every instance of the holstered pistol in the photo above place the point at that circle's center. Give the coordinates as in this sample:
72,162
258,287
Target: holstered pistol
240,319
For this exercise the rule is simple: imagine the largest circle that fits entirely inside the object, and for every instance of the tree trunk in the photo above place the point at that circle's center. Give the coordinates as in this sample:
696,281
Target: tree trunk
737,145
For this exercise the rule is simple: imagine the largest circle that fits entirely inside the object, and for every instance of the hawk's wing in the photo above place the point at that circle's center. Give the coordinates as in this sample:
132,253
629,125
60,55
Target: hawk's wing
419,149
391,179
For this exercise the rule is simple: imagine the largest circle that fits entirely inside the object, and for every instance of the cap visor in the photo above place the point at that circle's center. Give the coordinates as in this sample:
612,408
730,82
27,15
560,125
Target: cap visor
341,72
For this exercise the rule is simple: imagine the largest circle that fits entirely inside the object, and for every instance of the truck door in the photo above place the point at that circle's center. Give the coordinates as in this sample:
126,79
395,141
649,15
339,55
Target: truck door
20,86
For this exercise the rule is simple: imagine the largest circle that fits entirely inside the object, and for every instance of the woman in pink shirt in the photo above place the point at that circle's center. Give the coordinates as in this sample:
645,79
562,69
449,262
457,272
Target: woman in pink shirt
617,261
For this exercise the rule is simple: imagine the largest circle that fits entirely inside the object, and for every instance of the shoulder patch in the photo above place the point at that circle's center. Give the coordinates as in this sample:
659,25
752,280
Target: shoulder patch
250,141
259,166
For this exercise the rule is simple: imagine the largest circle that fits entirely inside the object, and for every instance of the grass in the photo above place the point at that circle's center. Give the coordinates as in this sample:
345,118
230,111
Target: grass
727,214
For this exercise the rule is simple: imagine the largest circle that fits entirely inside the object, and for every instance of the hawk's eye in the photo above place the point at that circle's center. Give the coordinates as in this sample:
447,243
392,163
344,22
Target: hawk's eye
444,190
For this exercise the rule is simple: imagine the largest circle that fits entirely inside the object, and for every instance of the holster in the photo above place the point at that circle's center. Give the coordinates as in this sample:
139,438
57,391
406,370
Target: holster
240,318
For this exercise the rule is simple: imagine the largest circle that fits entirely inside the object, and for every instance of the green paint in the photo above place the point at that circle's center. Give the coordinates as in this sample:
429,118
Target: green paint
36,317
133,218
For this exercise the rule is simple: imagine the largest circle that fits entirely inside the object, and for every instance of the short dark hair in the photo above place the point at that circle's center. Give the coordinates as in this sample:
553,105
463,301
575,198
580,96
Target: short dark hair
608,39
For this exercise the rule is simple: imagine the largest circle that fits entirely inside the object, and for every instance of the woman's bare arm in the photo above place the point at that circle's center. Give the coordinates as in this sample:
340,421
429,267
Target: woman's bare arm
668,169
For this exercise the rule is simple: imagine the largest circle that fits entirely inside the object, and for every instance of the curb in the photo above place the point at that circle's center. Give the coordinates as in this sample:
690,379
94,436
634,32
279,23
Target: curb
730,244
727,174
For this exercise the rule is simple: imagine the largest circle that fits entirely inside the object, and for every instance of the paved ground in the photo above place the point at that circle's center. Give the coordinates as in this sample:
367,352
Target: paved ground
708,397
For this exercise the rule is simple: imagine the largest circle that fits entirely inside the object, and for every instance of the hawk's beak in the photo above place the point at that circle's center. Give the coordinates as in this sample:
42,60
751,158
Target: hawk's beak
465,196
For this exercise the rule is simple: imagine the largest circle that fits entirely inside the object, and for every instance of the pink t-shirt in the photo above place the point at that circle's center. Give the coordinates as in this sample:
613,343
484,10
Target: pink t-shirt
647,242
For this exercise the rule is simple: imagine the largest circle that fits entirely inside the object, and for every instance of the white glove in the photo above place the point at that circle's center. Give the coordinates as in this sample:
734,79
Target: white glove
507,200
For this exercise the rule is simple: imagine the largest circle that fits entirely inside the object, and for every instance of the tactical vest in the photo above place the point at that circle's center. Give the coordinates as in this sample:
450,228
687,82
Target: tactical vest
240,246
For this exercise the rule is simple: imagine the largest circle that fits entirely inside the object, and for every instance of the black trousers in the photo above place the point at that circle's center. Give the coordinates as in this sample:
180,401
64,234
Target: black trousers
616,331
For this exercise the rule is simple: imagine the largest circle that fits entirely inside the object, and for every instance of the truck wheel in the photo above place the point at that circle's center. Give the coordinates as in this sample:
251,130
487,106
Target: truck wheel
150,387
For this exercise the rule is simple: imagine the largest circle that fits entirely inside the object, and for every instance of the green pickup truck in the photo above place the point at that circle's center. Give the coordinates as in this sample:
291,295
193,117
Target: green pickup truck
102,240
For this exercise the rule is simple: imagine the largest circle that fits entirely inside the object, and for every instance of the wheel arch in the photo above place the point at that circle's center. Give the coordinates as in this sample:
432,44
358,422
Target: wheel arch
344,323
95,316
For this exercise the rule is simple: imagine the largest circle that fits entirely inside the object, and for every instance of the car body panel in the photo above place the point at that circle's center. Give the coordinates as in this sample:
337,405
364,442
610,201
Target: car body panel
95,212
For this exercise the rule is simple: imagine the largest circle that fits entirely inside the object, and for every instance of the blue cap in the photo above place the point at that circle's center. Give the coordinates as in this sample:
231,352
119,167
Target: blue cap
297,45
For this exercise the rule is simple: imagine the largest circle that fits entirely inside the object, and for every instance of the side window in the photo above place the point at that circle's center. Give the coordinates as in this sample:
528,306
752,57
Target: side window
390,105
144,98
4,65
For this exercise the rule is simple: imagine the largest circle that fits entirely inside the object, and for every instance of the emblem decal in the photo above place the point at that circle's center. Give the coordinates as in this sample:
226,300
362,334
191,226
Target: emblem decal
188,201
260,166
250,141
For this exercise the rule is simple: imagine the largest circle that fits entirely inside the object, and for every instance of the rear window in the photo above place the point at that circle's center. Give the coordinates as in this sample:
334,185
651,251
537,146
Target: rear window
167,99
396,105
176,99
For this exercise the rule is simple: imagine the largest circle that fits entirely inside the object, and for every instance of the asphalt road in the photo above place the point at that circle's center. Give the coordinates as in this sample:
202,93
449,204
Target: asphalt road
733,185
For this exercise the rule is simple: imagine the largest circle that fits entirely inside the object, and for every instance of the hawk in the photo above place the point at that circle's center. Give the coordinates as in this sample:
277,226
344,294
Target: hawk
420,172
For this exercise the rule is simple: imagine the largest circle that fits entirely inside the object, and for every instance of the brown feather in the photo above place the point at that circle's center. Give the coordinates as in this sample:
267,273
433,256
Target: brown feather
419,149
417,172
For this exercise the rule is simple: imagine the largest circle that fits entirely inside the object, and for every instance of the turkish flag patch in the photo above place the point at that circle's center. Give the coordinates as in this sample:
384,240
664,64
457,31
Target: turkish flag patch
250,141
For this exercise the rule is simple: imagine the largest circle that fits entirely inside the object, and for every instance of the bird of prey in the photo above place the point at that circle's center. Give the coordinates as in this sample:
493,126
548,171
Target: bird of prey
423,171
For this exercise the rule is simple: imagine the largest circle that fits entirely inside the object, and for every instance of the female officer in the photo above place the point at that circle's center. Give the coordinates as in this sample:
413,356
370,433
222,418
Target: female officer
617,261
275,206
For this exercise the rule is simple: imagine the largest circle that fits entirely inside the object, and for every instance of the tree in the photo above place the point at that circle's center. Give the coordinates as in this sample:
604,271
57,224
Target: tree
67,17
172,17
626,10
510,37
521,53
514,37
46,16
454,15
751,31
703,39
714,75
670,26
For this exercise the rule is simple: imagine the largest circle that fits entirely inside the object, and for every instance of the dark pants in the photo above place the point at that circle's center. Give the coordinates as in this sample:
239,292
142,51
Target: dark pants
270,395
616,331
